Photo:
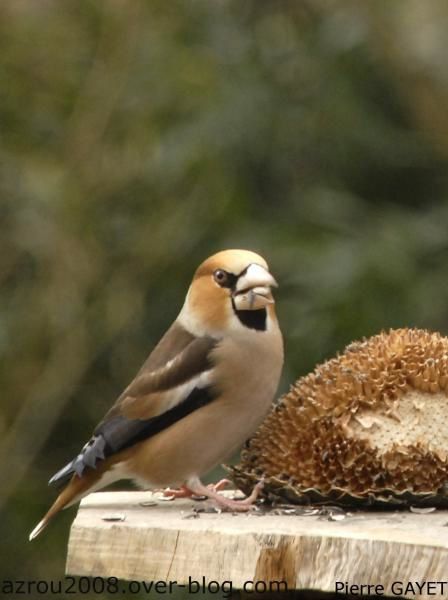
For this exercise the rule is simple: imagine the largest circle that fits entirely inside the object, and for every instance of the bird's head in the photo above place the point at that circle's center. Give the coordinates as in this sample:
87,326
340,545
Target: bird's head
230,290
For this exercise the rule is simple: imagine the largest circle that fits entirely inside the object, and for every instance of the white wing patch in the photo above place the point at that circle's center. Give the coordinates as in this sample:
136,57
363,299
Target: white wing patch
181,392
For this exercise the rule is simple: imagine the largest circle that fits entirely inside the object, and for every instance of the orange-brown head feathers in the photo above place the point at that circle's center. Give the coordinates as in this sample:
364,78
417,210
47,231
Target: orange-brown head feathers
230,290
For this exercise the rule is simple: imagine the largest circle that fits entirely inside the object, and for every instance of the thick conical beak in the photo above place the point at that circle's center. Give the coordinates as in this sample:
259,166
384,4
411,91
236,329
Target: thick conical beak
253,289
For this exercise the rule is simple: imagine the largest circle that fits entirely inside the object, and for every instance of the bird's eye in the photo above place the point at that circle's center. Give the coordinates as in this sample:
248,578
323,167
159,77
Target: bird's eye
221,277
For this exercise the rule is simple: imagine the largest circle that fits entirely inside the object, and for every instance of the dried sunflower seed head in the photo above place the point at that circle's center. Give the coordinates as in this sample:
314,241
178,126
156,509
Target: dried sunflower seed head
366,427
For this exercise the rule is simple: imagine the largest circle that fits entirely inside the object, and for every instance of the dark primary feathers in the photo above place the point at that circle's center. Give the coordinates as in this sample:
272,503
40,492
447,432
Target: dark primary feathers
185,358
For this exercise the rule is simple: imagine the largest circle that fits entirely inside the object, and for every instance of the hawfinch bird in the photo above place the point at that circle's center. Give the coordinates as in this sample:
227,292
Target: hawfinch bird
201,393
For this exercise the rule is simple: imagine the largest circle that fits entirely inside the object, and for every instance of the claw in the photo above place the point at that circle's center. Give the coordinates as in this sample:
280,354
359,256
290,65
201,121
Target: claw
226,503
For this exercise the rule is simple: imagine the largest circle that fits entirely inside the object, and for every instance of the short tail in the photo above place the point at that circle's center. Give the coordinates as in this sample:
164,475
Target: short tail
60,503
39,527
74,491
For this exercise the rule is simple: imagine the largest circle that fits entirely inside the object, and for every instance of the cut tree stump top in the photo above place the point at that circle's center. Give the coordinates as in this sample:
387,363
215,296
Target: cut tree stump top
116,535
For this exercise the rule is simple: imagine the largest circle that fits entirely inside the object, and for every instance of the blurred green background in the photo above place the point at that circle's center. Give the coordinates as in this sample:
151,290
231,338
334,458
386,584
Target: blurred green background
139,136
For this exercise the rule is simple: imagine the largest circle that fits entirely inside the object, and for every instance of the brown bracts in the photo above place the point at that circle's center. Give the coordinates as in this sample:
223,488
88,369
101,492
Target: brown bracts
367,427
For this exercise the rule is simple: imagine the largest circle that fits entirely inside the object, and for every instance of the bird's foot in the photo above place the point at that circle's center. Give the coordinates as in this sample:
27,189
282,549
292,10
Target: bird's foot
185,492
219,485
223,502
182,492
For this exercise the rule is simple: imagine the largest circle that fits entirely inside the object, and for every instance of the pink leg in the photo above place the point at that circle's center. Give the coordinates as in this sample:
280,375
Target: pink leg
220,485
222,502
182,492
185,492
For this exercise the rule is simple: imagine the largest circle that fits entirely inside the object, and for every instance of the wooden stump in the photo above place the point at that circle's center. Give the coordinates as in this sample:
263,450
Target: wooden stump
136,537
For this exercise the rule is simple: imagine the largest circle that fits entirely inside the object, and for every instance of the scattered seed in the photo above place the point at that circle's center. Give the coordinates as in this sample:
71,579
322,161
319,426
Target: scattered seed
194,514
198,498
114,518
338,517
422,510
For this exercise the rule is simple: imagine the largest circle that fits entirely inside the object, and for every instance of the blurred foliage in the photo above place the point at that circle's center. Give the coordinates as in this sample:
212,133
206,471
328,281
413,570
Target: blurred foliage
138,137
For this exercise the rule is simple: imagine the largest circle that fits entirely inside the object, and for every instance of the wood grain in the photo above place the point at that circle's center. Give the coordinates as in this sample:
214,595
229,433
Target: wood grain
160,543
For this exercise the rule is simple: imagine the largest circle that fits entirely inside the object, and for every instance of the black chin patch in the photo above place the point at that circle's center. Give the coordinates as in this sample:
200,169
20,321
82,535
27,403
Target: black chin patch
254,319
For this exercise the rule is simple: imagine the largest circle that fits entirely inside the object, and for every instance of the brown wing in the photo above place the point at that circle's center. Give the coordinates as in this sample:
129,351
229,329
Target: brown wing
153,401
179,358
